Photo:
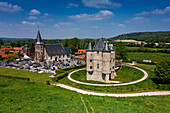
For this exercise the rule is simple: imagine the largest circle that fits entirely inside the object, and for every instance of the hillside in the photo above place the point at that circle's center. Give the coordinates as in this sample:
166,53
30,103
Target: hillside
161,36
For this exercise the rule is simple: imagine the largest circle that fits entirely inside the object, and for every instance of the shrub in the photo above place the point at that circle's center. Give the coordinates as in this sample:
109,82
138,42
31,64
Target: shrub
48,82
162,71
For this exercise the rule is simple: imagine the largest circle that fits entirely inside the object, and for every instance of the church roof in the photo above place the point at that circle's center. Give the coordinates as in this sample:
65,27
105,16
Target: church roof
39,40
67,50
54,49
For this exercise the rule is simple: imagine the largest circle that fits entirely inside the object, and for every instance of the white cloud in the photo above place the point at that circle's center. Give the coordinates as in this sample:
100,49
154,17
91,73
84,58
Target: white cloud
103,14
138,20
95,27
31,23
32,17
72,5
34,12
63,24
166,20
112,24
101,3
156,11
46,14
121,25
5,6
56,25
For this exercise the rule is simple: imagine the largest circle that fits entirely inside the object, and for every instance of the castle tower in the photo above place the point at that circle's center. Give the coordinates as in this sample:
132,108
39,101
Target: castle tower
100,61
39,48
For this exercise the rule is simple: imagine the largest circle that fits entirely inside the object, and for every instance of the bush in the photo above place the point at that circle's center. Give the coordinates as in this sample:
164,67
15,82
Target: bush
163,86
60,76
162,71
48,82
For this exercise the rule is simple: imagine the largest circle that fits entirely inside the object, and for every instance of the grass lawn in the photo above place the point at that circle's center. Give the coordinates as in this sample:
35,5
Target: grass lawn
126,74
6,46
154,57
28,97
27,74
146,85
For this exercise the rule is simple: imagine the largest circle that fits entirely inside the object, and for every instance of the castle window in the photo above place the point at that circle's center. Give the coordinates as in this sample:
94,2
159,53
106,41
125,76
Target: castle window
90,67
97,52
113,60
97,66
113,67
51,57
90,60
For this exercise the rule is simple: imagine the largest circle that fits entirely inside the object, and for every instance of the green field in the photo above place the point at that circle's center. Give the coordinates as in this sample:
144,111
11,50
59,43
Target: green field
135,48
146,85
154,57
126,74
28,97
27,74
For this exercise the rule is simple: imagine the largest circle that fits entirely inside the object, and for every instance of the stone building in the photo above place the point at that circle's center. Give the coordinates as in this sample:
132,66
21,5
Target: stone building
100,61
50,52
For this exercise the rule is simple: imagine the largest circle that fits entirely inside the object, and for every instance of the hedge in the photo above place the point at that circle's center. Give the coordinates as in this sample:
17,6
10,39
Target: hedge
61,73
22,78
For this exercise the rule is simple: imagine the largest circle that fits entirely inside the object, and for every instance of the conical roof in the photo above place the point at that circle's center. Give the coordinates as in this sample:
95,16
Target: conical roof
89,47
39,40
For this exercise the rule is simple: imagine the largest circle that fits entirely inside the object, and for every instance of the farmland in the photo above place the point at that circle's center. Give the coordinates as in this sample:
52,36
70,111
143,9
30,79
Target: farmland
154,57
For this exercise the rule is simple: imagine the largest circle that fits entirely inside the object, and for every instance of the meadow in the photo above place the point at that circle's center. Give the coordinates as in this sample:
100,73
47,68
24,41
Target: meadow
34,76
126,74
28,97
154,57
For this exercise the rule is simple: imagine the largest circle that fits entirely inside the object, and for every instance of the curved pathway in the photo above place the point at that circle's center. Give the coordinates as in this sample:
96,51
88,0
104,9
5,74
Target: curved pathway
133,82
114,95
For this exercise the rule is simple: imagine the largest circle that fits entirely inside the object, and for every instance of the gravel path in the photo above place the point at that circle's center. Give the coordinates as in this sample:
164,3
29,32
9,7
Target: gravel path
133,82
114,95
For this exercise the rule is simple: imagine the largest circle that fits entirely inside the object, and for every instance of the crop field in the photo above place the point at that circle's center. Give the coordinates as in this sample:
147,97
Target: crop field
23,96
126,74
154,57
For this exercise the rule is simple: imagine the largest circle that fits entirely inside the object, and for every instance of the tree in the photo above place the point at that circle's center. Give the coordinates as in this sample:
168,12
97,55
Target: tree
162,71
11,57
121,51
18,44
32,48
12,44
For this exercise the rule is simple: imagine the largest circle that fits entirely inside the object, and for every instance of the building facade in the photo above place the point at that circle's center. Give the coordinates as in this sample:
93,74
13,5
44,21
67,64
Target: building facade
50,52
100,61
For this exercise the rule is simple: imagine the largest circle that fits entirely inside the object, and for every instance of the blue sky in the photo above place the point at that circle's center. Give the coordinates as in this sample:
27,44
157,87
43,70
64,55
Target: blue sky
59,19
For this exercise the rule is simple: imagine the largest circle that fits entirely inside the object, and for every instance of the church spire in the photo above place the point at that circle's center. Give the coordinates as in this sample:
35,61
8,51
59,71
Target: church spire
39,40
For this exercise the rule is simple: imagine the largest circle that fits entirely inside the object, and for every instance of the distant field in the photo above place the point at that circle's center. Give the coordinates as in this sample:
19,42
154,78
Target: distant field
135,48
154,57
26,97
6,46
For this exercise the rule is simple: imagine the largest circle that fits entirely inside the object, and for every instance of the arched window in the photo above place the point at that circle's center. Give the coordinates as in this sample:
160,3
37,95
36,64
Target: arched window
90,67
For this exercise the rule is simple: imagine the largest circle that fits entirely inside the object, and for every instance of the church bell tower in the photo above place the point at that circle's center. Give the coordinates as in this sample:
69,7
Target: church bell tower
39,48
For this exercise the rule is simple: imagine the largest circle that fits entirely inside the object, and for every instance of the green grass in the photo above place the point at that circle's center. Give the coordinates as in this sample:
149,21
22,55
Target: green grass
135,48
6,46
146,85
154,57
27,97
27,74
126,74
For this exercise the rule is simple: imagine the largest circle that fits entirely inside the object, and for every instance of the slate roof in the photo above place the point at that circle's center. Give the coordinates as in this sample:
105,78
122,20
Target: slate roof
54,49
100,45
67,50
39,40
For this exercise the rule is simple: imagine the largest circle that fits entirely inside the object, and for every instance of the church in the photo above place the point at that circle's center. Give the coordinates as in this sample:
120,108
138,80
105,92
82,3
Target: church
50,52
100,61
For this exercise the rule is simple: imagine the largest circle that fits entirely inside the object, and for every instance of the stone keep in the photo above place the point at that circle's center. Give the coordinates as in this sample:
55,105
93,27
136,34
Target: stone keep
100,61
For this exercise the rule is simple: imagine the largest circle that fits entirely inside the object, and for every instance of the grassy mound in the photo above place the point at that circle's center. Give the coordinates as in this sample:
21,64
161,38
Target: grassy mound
126,74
